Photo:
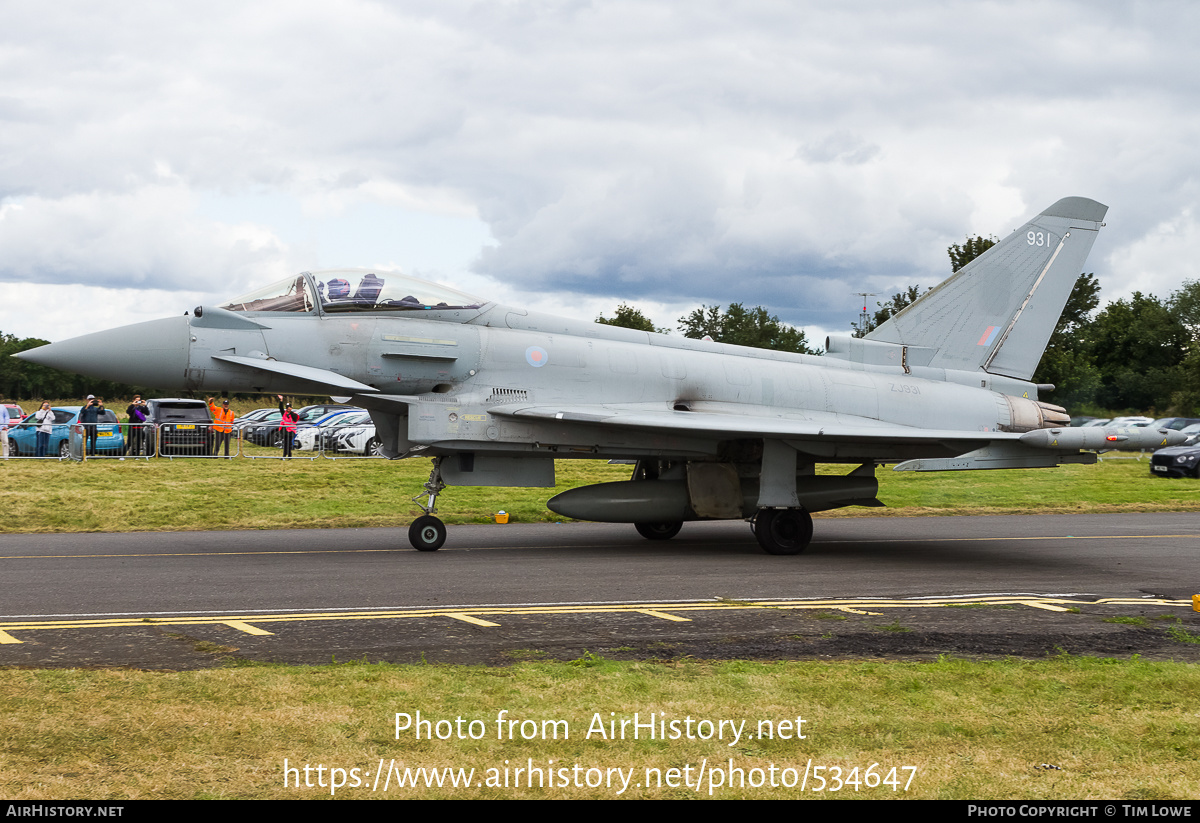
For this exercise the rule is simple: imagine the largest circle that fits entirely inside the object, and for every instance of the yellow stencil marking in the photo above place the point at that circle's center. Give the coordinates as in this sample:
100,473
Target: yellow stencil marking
1045,606
243,626
663,615
466,618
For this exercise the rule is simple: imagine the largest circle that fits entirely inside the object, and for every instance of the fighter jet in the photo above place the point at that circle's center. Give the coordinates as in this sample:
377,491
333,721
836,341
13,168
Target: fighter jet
495,394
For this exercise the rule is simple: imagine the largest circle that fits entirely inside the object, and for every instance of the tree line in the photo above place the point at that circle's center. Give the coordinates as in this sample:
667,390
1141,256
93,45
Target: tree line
737,325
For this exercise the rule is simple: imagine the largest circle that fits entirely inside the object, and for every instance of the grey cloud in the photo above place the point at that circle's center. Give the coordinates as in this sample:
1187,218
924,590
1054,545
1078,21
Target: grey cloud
767,152
840,147
146,239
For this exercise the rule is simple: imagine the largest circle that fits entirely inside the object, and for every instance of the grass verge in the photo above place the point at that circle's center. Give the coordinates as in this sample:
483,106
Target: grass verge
1067,727
181,495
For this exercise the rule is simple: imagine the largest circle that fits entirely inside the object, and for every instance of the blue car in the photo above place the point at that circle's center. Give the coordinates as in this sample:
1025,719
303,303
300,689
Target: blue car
22,438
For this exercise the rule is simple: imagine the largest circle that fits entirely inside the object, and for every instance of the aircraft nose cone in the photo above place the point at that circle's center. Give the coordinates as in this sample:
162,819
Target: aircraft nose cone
145,354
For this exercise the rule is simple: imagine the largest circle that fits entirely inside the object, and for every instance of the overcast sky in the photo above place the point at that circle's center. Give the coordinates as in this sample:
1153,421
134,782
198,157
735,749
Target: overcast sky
570,156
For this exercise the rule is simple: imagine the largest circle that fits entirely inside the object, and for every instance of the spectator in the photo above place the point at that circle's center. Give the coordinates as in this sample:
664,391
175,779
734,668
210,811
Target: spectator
45,426
89,418
287,423
139,435
4,421
222,424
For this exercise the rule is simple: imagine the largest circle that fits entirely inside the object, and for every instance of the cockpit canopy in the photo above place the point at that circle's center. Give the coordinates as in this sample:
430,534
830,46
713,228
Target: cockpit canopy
353,290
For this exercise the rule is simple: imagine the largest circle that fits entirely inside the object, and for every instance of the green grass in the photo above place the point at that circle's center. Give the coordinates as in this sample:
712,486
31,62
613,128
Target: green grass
176,495
1113,484
1182,635
180,495
1115,730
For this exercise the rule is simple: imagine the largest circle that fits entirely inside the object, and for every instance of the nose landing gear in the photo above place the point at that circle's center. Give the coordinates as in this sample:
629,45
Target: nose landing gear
427,533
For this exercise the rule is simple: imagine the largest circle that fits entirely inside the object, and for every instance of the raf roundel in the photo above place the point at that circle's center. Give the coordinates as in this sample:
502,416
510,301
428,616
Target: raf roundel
536,356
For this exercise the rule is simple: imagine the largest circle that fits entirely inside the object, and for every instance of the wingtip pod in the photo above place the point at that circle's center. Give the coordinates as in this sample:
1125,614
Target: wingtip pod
1103,439
1078,208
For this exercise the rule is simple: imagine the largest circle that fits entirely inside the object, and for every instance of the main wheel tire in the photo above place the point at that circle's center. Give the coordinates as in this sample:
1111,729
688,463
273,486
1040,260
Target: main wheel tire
783,531
658,531
427,533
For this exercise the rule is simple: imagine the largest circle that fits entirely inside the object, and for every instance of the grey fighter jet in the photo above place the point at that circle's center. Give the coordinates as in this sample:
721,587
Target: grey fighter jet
496,394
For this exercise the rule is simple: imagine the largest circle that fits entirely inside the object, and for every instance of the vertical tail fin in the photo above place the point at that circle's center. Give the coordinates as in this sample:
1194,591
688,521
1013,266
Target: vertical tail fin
997,313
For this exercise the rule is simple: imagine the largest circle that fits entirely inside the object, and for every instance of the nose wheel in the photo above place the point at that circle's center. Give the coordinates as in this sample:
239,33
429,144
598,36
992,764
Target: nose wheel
427,533
783,531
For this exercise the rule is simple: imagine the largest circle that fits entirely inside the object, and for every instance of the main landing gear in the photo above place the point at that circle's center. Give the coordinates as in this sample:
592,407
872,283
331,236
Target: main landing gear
783,531
658,531
778,531
427,533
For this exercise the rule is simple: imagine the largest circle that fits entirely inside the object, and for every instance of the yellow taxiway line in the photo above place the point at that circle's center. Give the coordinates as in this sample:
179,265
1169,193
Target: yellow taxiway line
477,615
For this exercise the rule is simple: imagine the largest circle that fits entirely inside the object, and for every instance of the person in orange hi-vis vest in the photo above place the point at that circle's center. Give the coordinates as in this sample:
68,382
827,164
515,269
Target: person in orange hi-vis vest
222,425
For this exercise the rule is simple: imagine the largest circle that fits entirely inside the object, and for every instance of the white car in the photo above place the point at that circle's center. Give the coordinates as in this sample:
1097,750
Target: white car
308,435
1135,420
331,434
360,439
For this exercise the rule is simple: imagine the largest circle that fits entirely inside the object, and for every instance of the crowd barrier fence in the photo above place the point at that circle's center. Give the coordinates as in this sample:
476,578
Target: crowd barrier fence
146,441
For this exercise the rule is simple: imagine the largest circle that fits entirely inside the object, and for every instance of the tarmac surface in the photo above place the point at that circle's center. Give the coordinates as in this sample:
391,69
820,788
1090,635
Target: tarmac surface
884,587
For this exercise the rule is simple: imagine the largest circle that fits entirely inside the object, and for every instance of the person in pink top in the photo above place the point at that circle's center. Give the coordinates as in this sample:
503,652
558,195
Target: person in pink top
287,422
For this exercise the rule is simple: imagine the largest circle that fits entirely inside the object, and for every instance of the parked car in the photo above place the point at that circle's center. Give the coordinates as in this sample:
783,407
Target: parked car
1176,461
344,436
1131,420
184,426
1193,433
256,416
309,435
1174,423
359,439
310,414
329,433
249,424
265,430
22,438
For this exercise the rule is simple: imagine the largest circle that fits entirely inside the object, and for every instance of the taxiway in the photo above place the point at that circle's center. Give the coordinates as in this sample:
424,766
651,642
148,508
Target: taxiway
882,586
